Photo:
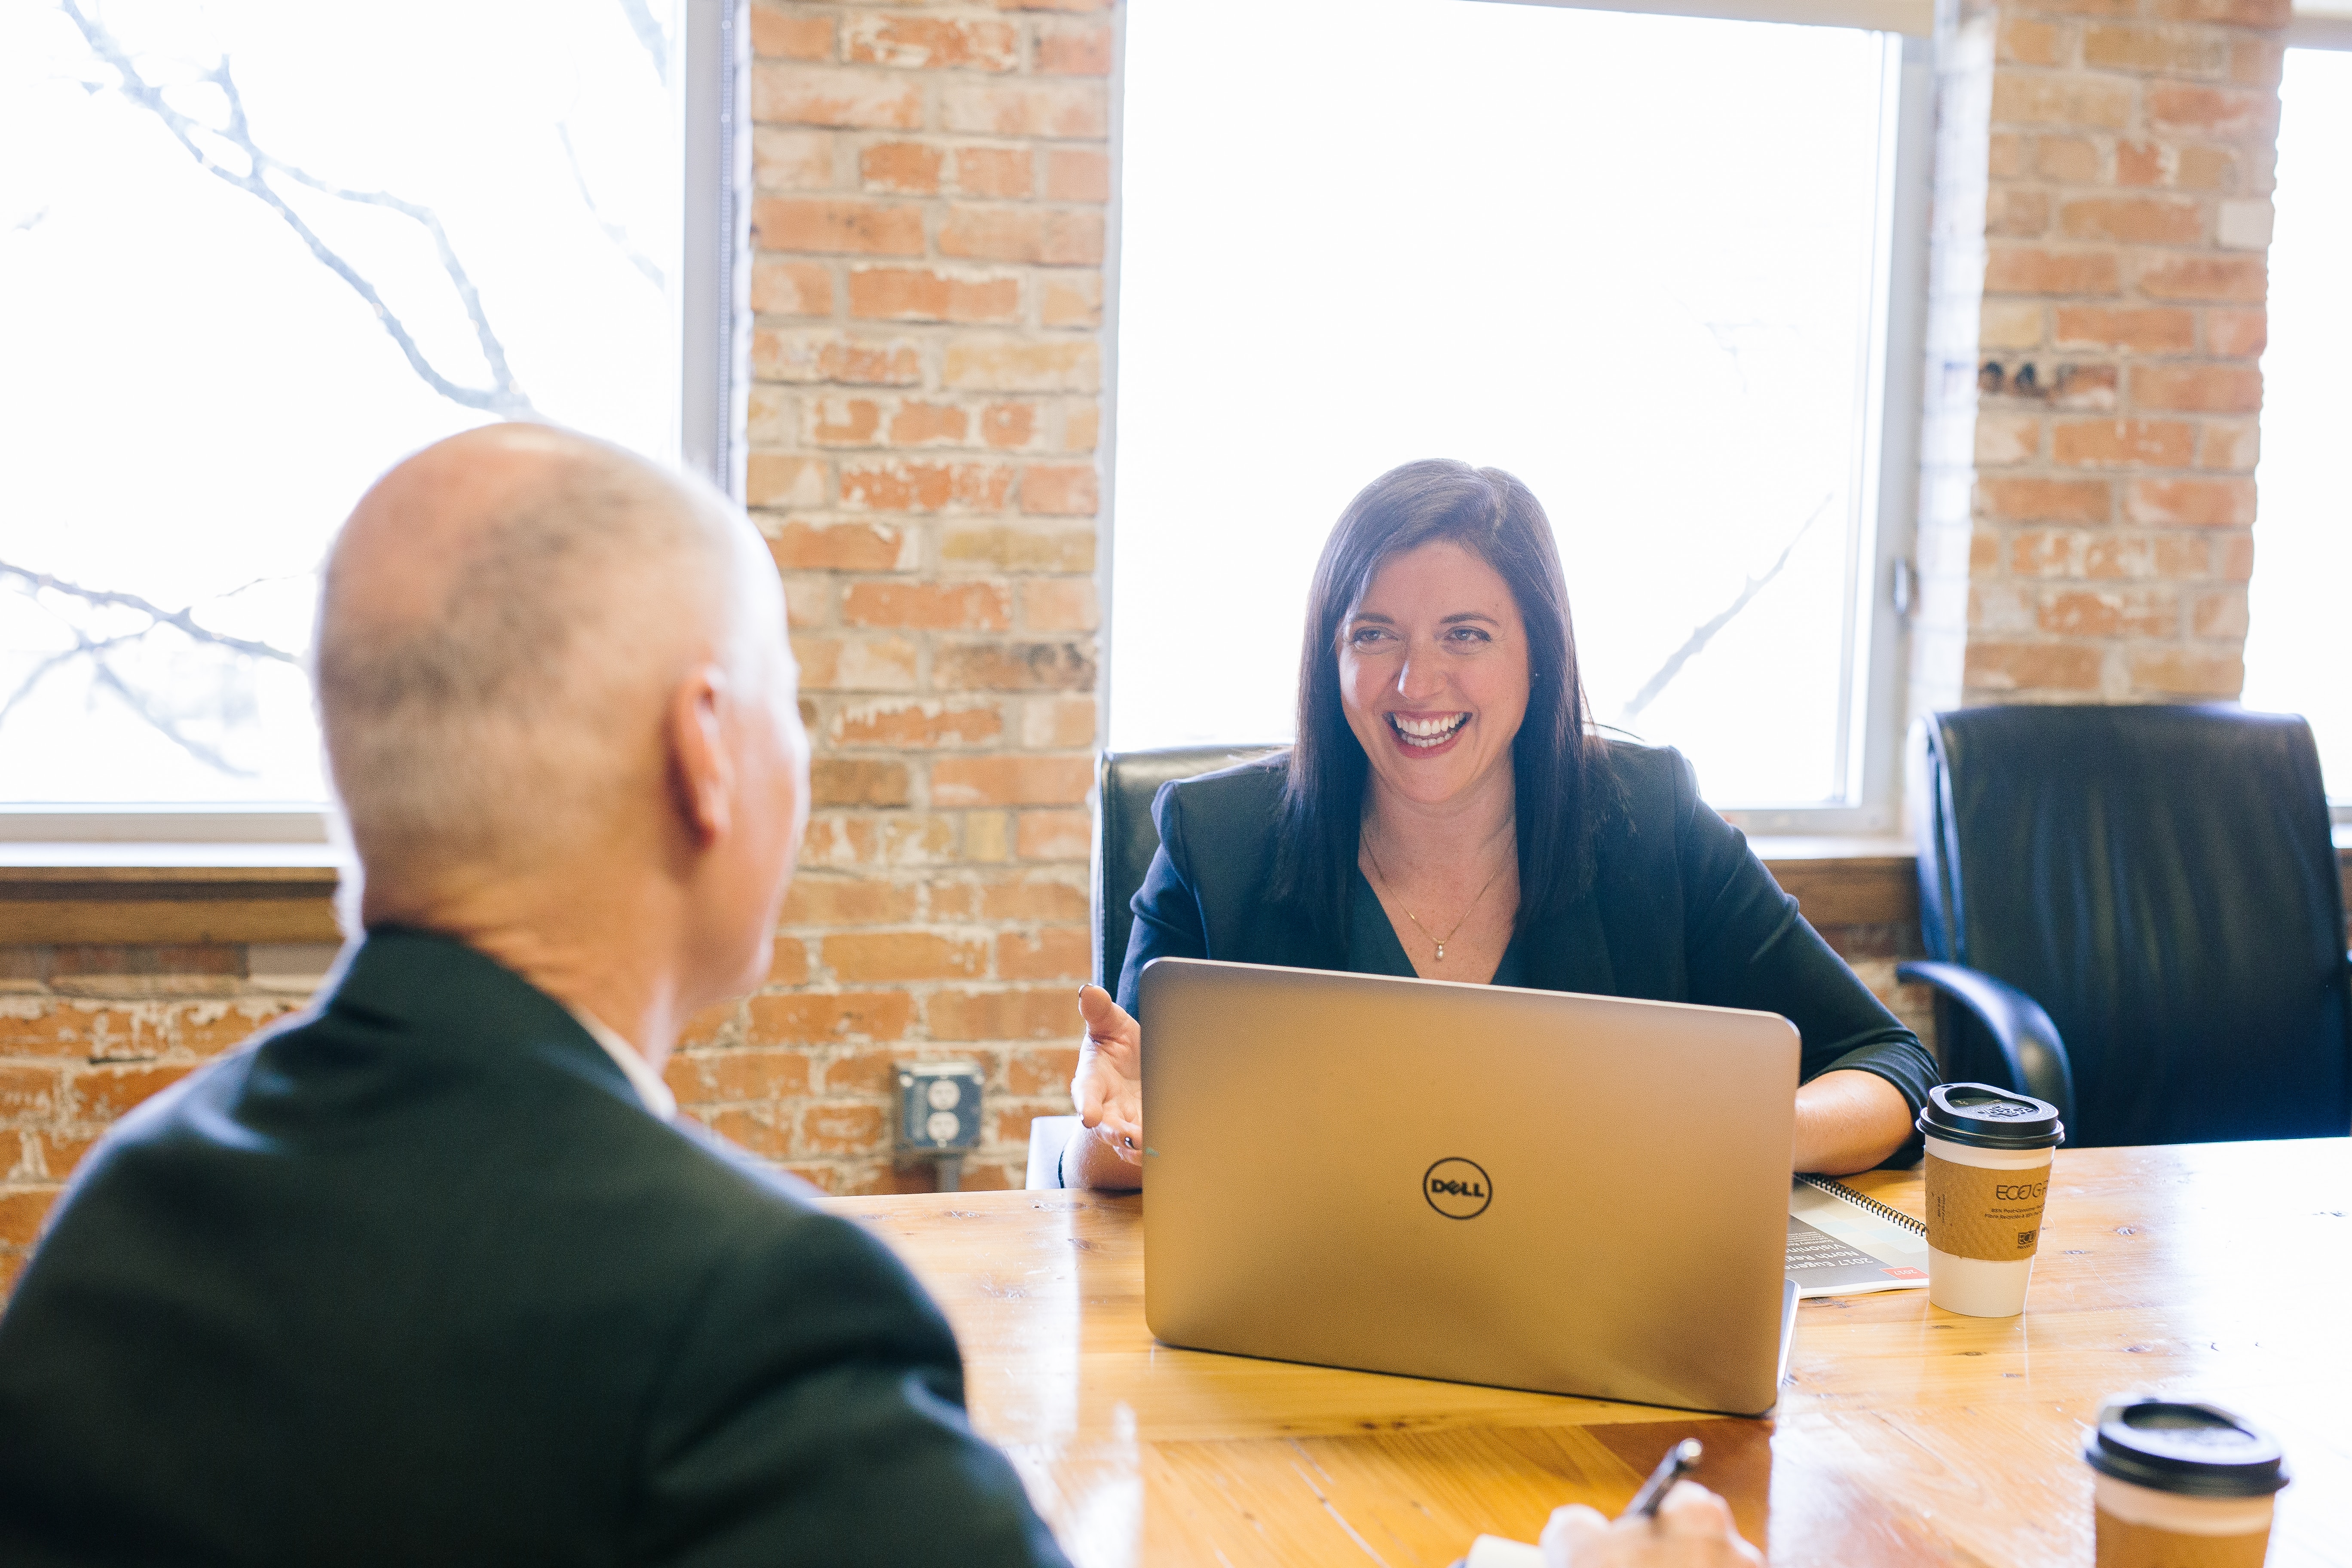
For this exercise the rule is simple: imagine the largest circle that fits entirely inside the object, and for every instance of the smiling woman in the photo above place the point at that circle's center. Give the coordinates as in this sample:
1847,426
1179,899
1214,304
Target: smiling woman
1440,670
1448,812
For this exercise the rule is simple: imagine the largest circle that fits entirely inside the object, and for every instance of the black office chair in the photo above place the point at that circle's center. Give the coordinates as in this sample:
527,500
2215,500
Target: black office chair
2136,913
1126,838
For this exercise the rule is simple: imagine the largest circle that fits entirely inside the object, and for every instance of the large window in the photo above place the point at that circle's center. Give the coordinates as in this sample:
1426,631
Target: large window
2297,651
1644,262
251,252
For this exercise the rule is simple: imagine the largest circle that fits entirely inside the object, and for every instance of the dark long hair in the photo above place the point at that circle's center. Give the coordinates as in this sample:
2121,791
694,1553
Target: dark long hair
1554,760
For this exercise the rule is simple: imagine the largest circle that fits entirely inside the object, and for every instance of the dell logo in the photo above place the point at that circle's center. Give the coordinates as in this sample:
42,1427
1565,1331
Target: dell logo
1457,1189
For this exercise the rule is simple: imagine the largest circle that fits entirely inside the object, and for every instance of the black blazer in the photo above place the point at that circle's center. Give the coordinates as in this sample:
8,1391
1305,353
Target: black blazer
1680,910
417,1279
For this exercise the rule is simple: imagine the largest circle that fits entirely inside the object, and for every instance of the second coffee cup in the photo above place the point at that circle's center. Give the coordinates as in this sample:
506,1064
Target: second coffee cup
2181,1485
1988,1153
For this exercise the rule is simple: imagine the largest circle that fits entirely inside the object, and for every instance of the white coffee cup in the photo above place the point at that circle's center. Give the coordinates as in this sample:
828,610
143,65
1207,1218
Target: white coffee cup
1982,1287
2179,1481
1983,1232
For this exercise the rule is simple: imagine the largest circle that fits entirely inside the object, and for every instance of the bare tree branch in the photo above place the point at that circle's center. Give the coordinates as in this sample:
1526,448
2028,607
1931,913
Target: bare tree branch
95,650
230,153
1705,632
179,620
262,582
648,29
163,722
614,232
83,649
504,397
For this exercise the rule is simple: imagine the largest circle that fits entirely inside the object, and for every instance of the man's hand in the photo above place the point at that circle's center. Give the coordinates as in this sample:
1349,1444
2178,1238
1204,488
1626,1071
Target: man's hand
1108,1088
1692,1530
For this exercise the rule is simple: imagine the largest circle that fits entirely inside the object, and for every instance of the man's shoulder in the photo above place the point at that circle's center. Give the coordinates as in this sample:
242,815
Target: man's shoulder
312,1122
773,1250
748,1201
524,1181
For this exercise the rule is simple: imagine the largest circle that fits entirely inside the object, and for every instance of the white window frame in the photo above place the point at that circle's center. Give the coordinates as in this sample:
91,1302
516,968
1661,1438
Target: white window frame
708,95
2323,26
1878,674
1873,706
2327,26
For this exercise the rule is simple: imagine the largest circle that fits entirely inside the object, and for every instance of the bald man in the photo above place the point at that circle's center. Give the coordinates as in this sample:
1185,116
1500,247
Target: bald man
430,1274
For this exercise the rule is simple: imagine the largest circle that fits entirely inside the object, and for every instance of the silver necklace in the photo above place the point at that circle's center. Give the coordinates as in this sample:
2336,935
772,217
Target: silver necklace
1440,941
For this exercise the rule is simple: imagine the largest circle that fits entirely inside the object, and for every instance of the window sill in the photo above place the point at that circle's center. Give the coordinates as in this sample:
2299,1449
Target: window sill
1845,881
1876,881
65,894
58,894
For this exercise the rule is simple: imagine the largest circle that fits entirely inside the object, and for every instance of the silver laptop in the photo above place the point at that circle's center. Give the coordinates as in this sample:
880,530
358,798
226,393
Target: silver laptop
1578,1194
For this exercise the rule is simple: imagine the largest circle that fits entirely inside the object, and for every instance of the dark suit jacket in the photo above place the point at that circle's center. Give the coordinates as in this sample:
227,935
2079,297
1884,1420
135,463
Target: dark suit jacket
1680,910
418,1280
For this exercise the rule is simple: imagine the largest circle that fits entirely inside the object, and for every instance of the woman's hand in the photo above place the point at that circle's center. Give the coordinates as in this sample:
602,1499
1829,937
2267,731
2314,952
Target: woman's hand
1692,1530
1108,1088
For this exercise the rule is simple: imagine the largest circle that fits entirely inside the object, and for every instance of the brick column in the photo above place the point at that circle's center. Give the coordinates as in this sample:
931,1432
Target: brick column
2087,516
928,287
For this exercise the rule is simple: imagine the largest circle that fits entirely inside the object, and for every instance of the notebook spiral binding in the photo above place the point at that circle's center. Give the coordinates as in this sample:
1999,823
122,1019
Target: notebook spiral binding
1838,1189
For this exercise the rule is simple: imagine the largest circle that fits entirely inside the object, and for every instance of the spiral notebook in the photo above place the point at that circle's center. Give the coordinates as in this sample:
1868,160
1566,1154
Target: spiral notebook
1843,1244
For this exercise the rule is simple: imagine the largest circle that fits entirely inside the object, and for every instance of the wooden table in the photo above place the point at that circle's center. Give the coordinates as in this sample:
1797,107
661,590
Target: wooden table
1905,1433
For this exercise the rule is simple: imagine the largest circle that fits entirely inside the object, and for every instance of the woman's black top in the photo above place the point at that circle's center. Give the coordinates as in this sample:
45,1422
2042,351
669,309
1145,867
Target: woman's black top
1679,910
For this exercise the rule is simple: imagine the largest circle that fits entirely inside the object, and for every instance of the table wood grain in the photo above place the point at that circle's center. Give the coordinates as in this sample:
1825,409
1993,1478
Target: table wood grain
1905,1435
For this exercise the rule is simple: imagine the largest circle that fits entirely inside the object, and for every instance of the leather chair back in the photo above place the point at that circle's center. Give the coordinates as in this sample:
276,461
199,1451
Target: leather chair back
1126,838
2161,880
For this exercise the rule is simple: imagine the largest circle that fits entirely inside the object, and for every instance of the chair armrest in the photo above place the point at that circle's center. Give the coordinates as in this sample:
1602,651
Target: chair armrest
2029,1042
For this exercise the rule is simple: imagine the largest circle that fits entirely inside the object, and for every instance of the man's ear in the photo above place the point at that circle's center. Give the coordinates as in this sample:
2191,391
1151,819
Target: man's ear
702,772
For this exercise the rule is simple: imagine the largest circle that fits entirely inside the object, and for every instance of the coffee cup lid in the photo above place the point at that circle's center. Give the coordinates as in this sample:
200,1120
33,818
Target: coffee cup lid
2193,1451
1984,1117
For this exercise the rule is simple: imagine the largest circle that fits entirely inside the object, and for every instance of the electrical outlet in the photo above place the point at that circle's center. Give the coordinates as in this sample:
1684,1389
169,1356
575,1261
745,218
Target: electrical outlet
939,1106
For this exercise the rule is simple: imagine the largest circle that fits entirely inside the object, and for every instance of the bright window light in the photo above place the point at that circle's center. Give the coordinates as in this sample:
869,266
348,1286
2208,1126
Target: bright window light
2296,650
251,252
1637,260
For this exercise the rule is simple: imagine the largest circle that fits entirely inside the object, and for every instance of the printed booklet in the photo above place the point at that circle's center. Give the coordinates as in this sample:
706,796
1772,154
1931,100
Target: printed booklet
1843,1243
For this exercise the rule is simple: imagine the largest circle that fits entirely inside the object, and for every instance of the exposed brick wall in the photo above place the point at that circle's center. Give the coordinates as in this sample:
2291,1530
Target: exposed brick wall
929,227
2104,186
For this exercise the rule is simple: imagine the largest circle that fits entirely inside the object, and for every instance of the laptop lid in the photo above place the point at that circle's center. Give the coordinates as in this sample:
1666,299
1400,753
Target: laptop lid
1577,1194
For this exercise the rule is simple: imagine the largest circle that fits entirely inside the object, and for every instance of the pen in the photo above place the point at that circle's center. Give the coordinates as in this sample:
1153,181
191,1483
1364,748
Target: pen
1680,1461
